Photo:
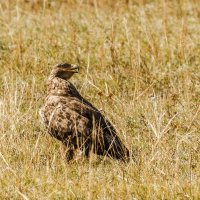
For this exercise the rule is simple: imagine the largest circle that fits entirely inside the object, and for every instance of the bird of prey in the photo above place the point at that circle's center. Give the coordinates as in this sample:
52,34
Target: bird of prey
75,121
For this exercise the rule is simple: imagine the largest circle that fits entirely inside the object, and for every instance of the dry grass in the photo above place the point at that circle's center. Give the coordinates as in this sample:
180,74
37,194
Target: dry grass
140,64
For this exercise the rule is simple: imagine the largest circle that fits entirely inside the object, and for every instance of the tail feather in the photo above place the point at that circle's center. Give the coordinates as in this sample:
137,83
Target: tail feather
115,148
109,144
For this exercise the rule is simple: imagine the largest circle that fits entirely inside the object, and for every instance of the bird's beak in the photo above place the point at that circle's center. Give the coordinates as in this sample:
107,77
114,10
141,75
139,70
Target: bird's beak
73,68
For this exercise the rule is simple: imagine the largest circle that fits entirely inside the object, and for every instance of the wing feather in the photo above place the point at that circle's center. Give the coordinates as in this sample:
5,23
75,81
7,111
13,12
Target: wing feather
67,117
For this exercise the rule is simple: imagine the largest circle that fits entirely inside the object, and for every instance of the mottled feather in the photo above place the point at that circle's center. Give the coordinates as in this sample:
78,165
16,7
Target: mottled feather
76,122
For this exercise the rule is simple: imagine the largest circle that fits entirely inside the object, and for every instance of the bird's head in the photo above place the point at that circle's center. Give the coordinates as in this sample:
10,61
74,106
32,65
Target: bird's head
64,71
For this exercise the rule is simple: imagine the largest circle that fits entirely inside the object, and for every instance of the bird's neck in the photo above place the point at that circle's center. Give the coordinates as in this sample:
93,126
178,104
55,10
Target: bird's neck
58,86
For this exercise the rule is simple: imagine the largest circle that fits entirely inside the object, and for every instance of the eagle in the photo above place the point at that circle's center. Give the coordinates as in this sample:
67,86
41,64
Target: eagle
75,122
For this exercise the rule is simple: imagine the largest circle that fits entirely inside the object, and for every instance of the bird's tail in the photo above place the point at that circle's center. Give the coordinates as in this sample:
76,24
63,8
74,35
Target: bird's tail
110,145
115,148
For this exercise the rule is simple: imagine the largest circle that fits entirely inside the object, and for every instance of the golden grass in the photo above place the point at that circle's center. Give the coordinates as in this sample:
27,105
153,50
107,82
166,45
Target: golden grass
140,64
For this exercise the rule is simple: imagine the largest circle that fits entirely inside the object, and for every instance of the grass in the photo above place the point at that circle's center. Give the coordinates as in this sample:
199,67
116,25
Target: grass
140,64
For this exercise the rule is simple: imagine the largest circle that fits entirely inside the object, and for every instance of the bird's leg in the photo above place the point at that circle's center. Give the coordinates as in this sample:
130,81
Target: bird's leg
69,149
69,154
74,148
72,153
83,147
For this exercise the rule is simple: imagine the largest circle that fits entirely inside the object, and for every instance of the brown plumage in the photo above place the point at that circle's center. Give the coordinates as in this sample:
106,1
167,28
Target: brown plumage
75,122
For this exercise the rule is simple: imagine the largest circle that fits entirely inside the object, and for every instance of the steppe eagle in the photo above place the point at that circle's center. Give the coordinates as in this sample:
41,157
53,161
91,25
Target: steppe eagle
76,122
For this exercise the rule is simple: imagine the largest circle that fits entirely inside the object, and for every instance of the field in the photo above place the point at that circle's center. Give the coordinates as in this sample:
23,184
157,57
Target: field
140,64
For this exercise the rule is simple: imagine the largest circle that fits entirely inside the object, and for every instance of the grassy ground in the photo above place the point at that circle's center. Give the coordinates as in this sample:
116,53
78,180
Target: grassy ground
140,64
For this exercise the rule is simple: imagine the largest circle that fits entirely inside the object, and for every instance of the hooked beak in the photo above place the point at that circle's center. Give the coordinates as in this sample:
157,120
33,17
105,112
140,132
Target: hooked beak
73,68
